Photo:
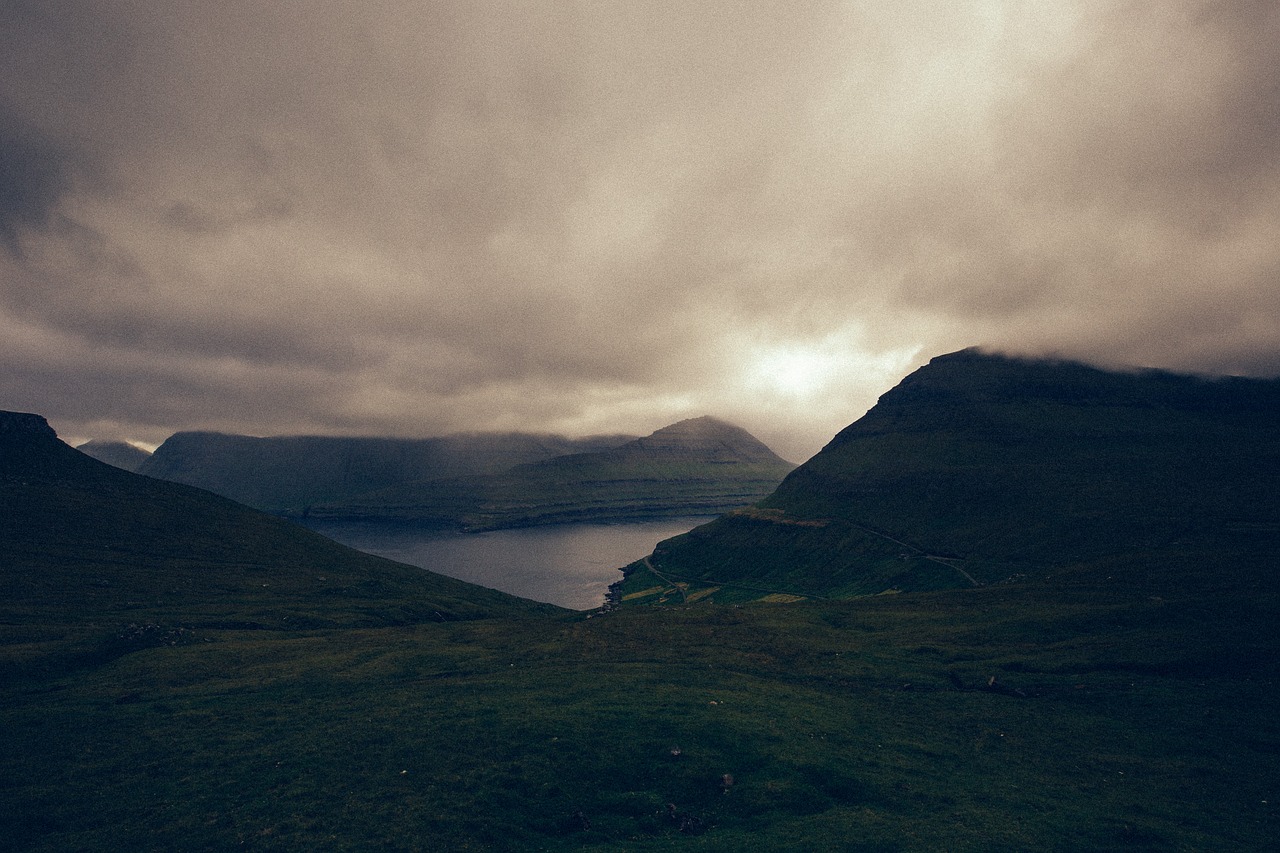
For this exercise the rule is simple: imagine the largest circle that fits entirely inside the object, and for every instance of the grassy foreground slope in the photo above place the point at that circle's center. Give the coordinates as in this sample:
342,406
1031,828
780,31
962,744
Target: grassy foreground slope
980,470
864,725
699,466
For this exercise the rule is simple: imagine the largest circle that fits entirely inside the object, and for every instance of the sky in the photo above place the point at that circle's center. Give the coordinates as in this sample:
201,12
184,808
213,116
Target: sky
383,217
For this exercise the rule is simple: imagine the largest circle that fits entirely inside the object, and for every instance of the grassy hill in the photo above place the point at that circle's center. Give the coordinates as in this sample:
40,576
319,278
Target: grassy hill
700,466
103,560
979,470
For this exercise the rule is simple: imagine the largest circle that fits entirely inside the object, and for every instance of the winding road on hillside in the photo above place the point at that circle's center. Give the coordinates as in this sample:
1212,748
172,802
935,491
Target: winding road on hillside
949,562
684,596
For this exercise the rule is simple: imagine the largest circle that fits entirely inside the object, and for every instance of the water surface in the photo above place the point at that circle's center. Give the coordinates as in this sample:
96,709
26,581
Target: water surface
570,565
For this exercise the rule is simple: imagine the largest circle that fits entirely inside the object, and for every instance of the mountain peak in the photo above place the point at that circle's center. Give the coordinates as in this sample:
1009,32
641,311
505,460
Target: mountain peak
700,425
710,439
121,454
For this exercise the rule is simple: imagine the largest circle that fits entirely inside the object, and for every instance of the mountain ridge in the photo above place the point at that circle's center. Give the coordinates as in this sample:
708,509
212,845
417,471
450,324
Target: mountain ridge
711,439
282,473
699,466
978,468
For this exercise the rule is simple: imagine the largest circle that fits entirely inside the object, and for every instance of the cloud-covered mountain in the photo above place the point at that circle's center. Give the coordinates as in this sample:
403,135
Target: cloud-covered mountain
293,472
698,466
121,454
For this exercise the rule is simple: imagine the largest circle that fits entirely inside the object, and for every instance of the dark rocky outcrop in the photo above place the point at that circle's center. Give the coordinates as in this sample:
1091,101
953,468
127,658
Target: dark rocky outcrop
14,425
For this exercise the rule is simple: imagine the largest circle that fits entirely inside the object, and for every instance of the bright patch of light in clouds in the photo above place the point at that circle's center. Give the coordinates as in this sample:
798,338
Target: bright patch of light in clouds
805,372
793,381
794,371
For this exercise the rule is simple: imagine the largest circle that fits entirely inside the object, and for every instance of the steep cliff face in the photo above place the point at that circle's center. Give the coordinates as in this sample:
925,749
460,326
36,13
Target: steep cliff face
980,469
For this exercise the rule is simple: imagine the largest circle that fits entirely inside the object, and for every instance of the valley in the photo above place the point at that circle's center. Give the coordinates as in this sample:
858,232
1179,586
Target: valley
1018,606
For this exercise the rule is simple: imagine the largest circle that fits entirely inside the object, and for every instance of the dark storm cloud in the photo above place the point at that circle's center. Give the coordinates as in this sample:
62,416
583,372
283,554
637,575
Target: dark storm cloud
414,217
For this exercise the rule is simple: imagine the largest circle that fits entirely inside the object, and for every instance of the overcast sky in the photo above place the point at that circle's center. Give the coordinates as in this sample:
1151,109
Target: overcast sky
410,218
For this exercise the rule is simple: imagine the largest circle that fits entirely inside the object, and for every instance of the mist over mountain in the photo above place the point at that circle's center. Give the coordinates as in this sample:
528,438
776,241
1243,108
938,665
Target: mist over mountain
698,466
292,472
704,440
981,469
121,454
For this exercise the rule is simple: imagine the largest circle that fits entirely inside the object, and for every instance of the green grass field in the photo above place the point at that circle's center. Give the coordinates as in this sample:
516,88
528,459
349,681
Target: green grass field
859,725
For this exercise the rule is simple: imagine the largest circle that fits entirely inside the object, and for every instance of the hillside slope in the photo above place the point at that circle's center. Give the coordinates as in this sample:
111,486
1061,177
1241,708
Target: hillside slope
293,472
980,469
699,466
88,547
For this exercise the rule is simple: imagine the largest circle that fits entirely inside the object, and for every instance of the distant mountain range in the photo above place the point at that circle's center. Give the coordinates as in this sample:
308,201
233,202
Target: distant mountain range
700,466
980,469
294,472
481,481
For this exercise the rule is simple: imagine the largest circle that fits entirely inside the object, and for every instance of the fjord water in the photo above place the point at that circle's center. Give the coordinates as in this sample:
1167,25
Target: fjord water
570,565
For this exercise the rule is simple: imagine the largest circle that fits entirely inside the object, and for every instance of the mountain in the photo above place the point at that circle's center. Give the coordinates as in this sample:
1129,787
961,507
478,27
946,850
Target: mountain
291,473
704,440
981,469
156,696
86,547
700,466
118,453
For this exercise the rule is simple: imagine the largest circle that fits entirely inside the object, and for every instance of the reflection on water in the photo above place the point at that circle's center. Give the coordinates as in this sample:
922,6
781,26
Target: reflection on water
567,564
